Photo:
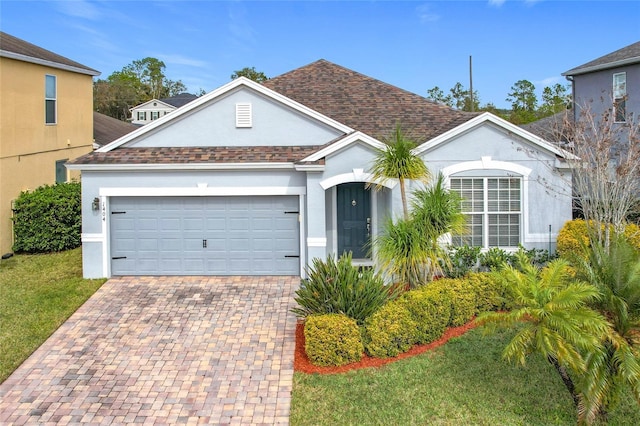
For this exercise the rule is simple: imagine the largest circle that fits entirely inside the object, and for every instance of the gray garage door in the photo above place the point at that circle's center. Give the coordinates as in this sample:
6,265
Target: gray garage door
205,235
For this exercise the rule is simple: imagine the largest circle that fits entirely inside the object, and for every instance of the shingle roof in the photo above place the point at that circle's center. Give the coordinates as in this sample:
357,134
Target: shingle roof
107,129
555,128
364,103
199,155
625,56
179,99
15,48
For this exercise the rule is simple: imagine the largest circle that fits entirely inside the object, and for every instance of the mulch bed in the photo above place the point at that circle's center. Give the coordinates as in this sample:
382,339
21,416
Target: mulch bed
302,363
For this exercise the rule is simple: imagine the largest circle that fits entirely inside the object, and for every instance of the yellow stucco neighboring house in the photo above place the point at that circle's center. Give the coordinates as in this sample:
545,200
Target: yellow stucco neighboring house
46,118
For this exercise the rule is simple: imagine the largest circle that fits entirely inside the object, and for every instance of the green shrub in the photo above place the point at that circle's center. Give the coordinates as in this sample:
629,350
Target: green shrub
332,339
491,294
495,258
341,288
573,238
431,311
48,219
462,260
462,296
390,331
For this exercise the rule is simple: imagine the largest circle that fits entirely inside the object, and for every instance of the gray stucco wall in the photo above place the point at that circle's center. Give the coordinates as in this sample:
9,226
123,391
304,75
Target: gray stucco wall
214,124
596,90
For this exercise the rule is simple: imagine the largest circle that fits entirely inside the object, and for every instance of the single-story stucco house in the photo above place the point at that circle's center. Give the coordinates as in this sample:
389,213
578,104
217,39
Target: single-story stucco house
259,179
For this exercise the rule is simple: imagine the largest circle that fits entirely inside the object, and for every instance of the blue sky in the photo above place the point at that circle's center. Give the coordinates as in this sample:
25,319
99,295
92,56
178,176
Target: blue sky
415,45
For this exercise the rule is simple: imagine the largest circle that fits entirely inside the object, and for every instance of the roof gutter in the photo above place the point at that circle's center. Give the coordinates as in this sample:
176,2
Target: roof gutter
600,67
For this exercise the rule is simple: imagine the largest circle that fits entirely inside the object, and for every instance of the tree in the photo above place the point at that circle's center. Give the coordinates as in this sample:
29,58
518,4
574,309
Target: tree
524,102
615,273
556,319
251,74
606,168
437,95
409,249
554,99
396,160
137,82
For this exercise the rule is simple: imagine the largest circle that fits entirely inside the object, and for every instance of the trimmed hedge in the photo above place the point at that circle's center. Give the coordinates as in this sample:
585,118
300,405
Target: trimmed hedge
390,331
48,219
491,294
431,311
332,339
462,296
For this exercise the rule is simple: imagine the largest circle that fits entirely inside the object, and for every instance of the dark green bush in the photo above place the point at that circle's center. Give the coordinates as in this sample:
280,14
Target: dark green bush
332,339
463,299
431,311
495,258
48,219
462,260
390,331
341,288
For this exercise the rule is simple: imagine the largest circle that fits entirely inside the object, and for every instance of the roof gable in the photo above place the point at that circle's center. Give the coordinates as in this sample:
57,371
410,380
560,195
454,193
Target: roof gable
488,118
145,104
364,103
14,48
227,90
626,56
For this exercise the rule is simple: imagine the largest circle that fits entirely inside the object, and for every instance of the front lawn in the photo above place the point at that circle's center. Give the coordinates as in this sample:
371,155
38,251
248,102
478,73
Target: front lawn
463,382
37,294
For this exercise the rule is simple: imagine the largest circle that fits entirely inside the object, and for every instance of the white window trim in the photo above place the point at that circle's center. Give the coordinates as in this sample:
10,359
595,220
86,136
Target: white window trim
54,99
486,163
623,97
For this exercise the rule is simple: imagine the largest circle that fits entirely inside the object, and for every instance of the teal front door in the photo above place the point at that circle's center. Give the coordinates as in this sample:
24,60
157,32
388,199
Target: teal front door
354,219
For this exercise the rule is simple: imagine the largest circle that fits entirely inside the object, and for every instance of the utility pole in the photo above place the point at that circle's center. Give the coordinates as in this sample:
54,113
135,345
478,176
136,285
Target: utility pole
471,84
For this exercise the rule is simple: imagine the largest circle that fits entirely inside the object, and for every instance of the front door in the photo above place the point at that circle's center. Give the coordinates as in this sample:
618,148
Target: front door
354,219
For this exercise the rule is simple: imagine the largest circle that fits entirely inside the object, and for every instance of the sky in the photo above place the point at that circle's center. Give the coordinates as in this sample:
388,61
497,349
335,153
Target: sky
414,45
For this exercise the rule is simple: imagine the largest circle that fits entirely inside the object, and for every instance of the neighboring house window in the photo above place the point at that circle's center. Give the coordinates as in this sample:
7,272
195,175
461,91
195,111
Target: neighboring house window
61,171
50,99
155,115
493,211
620,97
142,115
243,115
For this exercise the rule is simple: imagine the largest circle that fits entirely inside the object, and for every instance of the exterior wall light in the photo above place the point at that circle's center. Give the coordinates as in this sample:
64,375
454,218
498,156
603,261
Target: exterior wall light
95,205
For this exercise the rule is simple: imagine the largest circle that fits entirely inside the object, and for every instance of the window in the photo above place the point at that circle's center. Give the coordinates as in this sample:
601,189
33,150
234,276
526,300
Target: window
50,99
155,115
493,211
620,97
61,171
142,115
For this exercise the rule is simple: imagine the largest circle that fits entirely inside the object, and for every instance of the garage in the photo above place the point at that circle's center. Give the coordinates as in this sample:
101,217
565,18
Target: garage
248,235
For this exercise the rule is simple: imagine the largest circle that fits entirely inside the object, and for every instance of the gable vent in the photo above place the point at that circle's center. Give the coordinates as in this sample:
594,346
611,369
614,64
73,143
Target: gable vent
243,115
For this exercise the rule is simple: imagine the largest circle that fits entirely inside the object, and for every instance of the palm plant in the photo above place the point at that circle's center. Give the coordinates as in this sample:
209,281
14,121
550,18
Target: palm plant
557,322
397,161
615,272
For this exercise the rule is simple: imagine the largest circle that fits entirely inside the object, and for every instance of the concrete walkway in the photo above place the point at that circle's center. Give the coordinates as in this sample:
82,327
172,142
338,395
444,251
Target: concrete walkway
164,350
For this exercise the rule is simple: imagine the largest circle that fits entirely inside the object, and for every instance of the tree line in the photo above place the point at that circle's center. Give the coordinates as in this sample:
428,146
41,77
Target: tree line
524,101
145,79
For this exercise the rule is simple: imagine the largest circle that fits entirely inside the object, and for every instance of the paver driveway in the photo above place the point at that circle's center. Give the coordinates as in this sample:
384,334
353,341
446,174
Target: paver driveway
164,350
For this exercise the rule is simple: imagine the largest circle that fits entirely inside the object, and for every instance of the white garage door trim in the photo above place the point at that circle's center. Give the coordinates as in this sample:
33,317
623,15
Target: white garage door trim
200,190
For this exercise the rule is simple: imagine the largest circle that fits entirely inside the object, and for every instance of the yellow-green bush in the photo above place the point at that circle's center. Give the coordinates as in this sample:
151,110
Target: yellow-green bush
431,311
573,238
463,299
332,339
489,290
390,331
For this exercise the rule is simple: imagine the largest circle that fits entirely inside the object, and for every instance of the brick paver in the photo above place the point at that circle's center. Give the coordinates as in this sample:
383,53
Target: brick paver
164,350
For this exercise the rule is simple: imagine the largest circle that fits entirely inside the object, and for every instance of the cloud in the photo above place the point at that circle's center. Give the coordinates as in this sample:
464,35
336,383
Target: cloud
550,81
239,27
496,3
426,15
79,9
180,60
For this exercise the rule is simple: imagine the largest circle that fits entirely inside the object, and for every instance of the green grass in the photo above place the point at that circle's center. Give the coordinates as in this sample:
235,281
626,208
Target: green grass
464,382
37,294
